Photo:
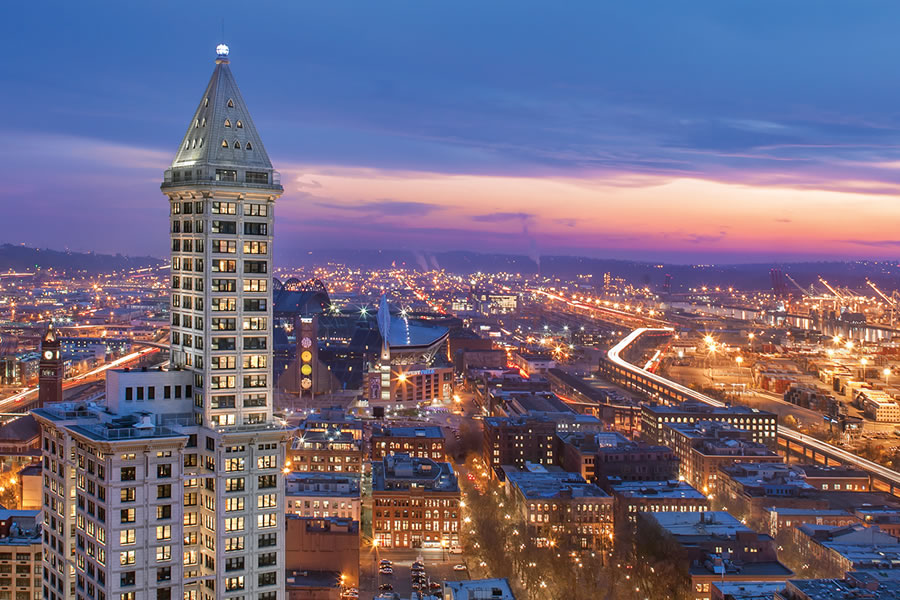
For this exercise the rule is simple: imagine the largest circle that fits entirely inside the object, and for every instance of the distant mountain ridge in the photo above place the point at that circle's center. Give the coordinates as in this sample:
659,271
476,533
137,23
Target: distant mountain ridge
24,258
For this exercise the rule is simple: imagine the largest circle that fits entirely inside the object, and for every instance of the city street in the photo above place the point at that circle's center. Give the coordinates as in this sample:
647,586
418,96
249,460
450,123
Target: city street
438,567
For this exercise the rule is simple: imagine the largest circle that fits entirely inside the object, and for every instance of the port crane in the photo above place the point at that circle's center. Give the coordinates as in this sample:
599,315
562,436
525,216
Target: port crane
892,301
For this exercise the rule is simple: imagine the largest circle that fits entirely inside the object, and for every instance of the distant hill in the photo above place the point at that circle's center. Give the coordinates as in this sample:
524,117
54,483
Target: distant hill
23,258
852,274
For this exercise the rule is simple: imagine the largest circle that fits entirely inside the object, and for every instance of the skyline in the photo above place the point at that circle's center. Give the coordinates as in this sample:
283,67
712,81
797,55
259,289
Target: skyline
716,134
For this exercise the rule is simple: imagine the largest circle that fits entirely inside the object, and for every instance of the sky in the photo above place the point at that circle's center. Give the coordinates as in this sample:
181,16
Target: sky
693,132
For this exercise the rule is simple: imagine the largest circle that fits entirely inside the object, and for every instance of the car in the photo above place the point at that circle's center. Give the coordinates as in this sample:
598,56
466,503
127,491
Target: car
386,563
455,549
385,587
415,586
386,571
459,567
434,585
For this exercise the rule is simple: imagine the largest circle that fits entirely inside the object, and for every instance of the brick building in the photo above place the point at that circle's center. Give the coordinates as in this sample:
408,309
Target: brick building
517,440
418,442
321,557
415,503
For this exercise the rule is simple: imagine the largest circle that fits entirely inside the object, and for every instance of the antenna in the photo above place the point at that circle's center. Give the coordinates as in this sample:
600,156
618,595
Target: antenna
223,30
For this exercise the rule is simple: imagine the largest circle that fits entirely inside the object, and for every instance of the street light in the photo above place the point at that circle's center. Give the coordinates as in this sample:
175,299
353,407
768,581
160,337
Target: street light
887,375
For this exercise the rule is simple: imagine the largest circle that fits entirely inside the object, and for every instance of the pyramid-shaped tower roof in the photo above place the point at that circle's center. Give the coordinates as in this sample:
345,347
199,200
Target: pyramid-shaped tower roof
221,132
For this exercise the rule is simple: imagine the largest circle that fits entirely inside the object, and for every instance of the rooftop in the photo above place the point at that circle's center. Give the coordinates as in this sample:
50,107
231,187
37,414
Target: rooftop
692,407
551,483
477,589
402,472
426,431
657,489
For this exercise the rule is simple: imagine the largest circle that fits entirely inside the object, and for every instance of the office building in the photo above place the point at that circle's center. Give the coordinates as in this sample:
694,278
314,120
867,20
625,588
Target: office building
703,447
715,547
560,507
517,440
633,497
654,417
20,554
323,495
173,488
415,503
321,557
419,442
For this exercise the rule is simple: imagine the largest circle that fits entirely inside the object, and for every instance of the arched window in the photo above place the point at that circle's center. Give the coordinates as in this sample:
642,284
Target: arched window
248,146
240,125
206,102
227,123
194,144
187,144
237,145
201,143
196,124
203,122
224,143
230,103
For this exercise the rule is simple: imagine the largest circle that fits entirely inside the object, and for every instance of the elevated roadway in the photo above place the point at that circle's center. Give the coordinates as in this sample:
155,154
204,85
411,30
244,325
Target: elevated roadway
789,440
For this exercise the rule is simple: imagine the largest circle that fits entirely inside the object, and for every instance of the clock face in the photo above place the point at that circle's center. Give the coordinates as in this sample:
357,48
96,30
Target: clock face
306,384
306,342
306,370
306,356
48,354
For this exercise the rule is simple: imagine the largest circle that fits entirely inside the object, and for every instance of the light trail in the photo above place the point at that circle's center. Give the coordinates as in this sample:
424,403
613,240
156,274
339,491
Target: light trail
72,381
791,435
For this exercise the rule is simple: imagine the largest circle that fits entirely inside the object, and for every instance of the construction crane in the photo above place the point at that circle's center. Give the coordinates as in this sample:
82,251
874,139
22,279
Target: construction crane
803,291
892,301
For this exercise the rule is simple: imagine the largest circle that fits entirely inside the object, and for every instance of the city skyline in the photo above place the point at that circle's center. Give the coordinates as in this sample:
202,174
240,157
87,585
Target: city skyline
726,134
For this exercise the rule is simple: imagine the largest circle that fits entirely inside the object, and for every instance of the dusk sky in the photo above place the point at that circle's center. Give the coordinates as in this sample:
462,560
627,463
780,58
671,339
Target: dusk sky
678,131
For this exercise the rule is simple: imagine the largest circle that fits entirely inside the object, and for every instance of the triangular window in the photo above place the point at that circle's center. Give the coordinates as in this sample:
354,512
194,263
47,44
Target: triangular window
227,123
187,144
224,143
230,103
203,122
240,125
201,142
194,144
237,145
206,102
196,124
249,147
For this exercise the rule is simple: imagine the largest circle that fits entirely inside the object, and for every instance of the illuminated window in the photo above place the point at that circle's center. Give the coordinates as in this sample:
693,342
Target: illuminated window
227,123
224,143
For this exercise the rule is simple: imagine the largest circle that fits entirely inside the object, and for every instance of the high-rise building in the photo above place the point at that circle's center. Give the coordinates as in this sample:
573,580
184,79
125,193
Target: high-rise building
51,370
173,489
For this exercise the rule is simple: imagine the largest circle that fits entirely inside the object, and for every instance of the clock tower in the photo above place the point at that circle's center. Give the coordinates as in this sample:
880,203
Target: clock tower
51,370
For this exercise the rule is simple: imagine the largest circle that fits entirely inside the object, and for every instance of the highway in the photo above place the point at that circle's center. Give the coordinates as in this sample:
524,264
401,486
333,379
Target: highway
790,435
10,403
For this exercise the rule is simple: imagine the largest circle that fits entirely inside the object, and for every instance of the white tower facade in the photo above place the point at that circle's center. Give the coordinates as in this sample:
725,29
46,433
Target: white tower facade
173,490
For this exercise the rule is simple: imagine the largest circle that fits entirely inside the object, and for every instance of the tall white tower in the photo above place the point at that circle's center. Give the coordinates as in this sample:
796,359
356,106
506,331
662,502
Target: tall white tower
222,190
173,489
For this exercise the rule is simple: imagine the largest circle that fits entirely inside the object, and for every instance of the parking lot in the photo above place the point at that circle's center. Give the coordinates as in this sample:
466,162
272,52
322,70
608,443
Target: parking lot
438,568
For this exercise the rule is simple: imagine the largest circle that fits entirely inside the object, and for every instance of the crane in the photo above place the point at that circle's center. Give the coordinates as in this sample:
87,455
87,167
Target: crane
892,301
798,286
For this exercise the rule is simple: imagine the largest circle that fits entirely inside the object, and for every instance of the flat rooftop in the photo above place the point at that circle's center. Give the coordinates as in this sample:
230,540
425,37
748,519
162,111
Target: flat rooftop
657,489
426,431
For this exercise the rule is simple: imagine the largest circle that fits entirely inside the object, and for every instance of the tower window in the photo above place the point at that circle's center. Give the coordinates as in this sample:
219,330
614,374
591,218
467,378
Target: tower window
194,144
224,143
237,145
230,103
249,147
206,102
227,123
196,124
201,142
203,122
187,144
240,125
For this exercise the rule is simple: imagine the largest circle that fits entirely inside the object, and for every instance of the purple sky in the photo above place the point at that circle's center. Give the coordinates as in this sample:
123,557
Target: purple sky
706,131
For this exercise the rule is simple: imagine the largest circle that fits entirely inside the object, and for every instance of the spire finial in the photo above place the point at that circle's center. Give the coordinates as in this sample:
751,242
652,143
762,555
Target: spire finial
222,53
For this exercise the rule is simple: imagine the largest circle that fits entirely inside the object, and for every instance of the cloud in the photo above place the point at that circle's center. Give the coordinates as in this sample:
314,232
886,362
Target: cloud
499,217
388,208
696,238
